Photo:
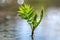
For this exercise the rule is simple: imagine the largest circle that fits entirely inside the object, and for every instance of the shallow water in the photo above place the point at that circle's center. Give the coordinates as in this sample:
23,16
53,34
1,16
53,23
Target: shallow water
19,29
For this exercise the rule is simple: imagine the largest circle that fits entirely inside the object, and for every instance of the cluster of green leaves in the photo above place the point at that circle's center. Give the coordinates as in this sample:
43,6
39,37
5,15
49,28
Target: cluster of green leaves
28,13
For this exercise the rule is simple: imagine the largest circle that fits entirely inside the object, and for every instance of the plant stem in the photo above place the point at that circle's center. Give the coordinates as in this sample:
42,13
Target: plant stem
32,33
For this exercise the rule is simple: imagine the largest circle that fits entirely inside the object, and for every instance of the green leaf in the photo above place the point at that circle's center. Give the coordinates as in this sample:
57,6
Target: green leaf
41,16
35,17
31,14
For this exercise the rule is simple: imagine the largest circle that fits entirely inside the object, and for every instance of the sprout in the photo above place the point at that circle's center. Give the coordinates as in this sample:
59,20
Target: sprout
28,13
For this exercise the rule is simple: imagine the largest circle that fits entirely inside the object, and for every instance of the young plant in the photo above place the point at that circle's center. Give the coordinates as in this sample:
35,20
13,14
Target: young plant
28,13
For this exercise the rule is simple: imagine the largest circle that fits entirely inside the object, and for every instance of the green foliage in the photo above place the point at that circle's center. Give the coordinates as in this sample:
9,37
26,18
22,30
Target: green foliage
28,13
25,11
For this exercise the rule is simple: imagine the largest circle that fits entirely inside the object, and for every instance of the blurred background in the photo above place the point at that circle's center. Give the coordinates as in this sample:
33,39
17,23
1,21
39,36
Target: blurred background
12,27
